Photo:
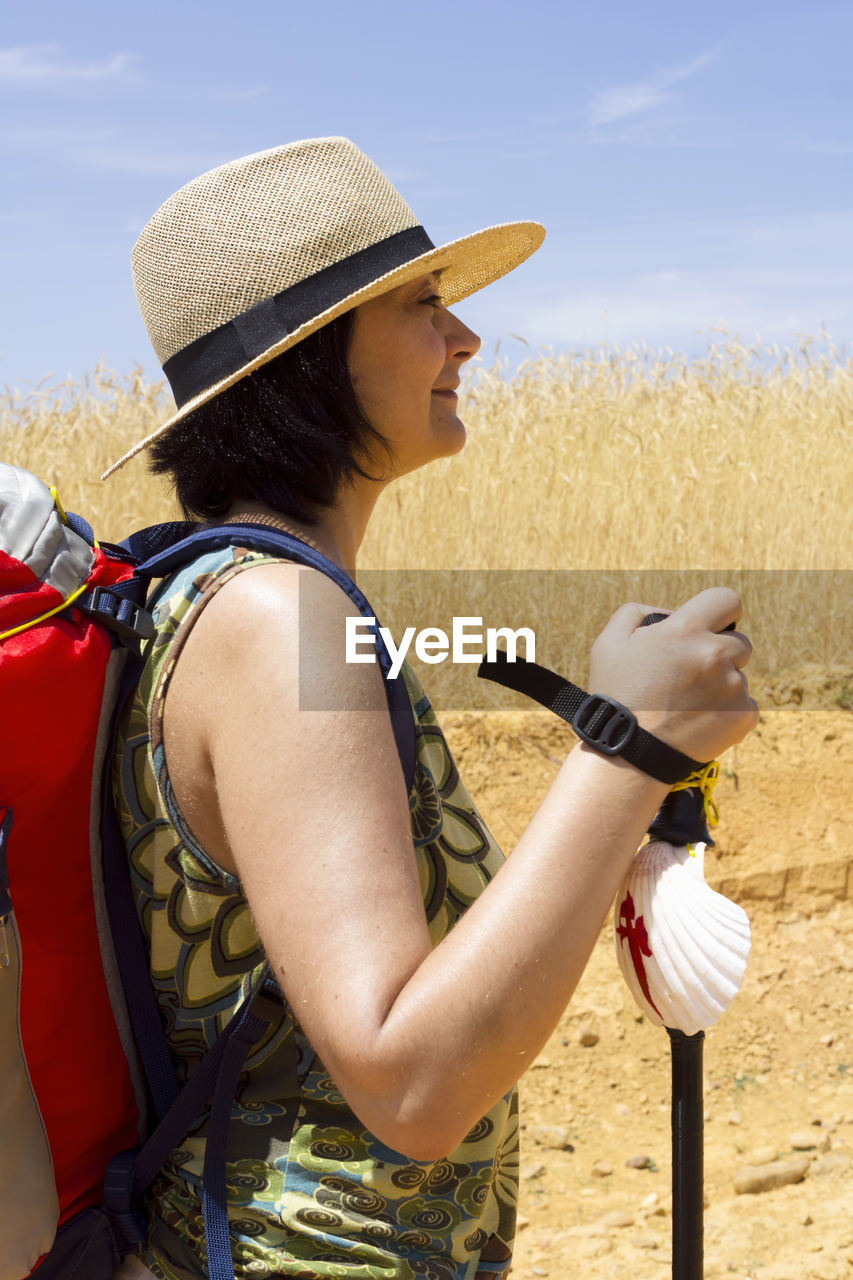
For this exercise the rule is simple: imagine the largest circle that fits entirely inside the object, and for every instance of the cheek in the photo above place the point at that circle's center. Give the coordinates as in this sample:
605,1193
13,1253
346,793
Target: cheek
394,362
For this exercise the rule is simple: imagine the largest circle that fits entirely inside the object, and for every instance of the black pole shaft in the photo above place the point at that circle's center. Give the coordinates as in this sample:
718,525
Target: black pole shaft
687,1155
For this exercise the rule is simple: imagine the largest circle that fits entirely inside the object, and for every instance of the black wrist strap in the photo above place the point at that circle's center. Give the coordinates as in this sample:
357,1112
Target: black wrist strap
601,722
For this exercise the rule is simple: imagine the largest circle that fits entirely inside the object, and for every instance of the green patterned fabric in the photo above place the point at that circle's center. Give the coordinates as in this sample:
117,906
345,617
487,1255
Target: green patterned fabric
311,1193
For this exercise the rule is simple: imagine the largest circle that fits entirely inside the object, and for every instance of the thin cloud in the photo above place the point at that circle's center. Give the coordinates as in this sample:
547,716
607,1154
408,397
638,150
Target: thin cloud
244,95
47,65
627,100
825,148
667,306
107,148
117,158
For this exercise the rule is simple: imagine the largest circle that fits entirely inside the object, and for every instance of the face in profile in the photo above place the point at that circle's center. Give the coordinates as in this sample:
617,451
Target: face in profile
406,353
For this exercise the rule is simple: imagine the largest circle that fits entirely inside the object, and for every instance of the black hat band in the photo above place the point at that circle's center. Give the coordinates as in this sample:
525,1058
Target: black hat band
230,347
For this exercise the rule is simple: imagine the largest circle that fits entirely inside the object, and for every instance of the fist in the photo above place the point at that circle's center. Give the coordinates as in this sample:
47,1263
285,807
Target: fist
683,678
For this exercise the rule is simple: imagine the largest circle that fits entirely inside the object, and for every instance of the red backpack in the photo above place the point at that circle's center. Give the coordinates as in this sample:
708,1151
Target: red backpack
68,1055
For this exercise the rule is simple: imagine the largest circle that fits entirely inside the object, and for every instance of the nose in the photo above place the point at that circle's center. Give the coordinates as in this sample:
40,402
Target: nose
462,342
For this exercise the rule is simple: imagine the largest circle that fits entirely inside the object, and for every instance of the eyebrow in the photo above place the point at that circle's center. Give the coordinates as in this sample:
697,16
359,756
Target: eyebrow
429,280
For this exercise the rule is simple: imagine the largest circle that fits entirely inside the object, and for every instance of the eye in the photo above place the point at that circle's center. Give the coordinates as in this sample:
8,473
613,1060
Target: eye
433,300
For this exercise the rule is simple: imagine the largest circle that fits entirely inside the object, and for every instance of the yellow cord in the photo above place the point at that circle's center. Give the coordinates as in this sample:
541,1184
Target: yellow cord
64,519
13,631
705,779
25,626
58,504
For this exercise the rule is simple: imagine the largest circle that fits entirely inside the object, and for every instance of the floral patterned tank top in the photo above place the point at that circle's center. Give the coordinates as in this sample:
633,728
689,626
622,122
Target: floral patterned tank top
311,1193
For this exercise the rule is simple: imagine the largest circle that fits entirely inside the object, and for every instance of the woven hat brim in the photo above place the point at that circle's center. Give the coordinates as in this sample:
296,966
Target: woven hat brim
466,265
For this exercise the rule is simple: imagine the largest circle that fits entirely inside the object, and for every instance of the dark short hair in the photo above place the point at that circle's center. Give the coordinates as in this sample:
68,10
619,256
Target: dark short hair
289,435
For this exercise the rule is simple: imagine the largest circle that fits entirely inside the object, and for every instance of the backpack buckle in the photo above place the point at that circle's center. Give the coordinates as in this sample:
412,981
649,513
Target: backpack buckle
120,614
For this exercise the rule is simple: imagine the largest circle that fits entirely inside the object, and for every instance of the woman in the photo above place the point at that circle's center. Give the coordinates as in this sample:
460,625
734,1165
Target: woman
375,1128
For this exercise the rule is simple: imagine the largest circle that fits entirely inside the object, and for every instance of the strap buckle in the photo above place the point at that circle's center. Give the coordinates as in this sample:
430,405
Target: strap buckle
119,613
605,724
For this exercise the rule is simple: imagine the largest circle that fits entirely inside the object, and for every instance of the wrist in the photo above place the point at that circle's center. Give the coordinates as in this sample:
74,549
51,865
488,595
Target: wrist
612,729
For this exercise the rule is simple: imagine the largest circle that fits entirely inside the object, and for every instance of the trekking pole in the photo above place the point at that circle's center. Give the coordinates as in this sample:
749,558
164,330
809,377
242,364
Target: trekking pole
682,949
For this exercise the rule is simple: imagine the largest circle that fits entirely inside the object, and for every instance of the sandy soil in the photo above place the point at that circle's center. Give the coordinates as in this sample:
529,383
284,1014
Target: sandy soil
778,1065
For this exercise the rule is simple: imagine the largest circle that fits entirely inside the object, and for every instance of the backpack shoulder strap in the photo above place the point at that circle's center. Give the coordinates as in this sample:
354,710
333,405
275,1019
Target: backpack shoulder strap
167,556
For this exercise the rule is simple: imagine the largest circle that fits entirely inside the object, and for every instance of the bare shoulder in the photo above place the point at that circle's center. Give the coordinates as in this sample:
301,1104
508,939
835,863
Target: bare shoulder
287,624
260,693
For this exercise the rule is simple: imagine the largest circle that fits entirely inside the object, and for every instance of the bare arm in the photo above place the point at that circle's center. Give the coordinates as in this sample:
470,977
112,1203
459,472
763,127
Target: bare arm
314,818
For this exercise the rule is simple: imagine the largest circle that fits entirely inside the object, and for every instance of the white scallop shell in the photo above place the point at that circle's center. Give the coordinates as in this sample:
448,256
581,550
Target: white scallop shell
681,946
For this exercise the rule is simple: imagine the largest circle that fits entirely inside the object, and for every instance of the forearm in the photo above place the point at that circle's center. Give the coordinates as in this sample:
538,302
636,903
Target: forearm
422,1040
478,1008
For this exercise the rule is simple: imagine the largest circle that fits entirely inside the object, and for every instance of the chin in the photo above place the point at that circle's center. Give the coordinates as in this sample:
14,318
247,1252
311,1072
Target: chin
455,439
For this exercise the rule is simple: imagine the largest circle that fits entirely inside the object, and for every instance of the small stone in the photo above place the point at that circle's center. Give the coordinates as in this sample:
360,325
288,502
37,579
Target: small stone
587,1037
617,1218
762,1155
592,1248
735,1117
638,1162
809,1140
825,1270
622,1109
645,1242
650,1201
540,1064
533,1170
539,1271
752,1179
552,1136
835,1162
601,1169
806,1219
521,1222
827,1040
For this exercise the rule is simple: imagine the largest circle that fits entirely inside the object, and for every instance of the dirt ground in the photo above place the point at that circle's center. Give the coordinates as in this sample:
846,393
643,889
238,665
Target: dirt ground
778,1067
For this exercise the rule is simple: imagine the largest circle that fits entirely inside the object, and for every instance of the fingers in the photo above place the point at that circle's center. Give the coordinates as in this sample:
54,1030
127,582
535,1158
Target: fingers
707,609
683,676
717,609
713,609
739,650
630,616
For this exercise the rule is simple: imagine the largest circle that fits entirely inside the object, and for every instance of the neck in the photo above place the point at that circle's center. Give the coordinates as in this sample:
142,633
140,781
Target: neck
339,530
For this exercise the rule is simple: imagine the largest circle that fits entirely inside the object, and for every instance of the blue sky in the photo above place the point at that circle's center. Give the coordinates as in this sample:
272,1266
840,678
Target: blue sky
692,163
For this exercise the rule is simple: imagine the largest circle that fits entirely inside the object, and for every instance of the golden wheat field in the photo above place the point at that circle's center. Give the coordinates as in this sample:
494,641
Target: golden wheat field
588,478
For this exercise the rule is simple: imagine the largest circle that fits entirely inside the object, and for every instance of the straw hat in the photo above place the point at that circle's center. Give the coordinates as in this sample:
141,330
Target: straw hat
249,259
